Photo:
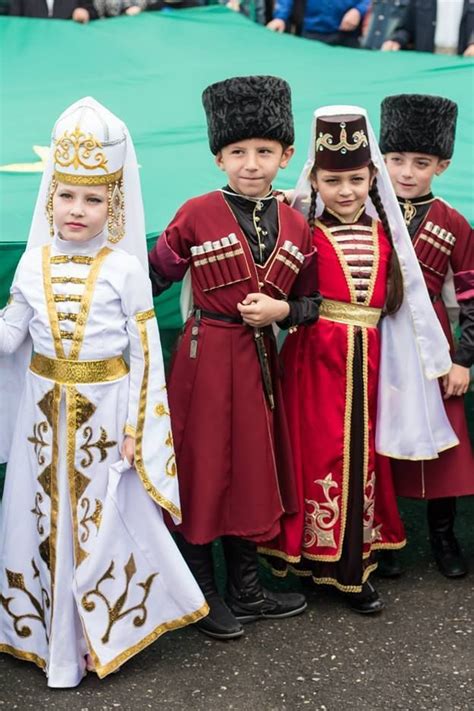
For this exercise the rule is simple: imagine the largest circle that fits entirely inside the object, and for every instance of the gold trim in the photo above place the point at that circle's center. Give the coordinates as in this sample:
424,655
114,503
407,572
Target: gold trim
418,459
347,223
375,263
145,315
86,302
342,260
53,526
71,403
130,431
139,463
349,313
389,546
24,656
61,298
49,297
365,394
346,461
278,554
346,588
67,280
103,670
326,140
88,179
73,259
69,372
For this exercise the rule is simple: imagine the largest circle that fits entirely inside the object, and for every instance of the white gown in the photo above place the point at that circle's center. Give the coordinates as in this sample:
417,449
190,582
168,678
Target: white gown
86,562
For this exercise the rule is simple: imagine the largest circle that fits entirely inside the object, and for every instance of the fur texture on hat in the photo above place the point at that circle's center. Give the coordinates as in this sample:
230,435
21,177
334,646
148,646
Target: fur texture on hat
418,123
248,107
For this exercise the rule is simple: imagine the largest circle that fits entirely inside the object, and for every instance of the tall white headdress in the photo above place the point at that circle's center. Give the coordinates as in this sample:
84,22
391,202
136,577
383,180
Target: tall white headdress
411,418
91,146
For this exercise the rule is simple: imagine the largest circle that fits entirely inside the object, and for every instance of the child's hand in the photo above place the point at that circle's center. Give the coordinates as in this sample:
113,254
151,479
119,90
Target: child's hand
350,21
390,46
133,10
234,5
456,382
276,25
259,310
81,15
128,449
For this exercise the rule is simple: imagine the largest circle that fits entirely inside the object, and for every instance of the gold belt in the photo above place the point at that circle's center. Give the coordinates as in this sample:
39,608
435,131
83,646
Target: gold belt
69,372
351,314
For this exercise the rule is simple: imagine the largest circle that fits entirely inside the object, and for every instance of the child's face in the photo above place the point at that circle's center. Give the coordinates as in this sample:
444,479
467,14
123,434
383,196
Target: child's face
343,192
252,164
80,211
412,173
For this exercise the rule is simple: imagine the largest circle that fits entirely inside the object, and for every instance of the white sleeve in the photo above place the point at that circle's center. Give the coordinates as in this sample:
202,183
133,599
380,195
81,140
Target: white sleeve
148,412
14,322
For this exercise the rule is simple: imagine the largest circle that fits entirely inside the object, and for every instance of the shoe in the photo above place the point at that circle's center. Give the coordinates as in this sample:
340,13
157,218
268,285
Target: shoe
367,601
388,564
448,555
270,605
220,623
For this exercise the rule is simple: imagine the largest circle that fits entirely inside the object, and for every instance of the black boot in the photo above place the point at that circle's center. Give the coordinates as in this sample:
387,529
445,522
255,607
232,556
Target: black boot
247,598
446,550
388,564
220,622
367,601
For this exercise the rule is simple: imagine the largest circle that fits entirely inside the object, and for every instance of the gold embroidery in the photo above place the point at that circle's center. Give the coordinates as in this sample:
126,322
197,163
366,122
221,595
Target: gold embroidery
16,581
116,611
95,517
61,298
409,212
38,513
78,482
326,140
102,444
375,265
116,211
170,467
103,670
66,335
38,440
351,314
45,480
144,315
79,150
130,431
86,302
321,518
139,463
74,259
64,316
67,280
44,551
46,405
88,179
54,487
369,510
69,372
49,296
161,410
84,410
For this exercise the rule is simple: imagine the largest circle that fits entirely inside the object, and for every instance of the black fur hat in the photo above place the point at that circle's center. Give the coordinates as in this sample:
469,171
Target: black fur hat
418,123
248,107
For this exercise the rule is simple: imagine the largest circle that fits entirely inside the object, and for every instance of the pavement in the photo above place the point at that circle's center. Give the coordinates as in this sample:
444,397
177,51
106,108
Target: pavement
417,655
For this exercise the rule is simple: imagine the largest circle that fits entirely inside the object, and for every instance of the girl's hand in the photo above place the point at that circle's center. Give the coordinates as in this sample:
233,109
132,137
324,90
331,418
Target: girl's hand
259,310
456,382
128,449
350,21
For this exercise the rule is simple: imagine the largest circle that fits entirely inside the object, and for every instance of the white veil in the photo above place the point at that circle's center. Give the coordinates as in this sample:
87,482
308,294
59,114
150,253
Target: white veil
411,418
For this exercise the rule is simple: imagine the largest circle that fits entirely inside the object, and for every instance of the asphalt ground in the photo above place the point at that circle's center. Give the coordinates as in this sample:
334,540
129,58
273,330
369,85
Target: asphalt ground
417,655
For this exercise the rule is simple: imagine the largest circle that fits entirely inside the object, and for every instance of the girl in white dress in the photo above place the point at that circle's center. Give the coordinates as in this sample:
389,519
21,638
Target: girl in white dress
88,571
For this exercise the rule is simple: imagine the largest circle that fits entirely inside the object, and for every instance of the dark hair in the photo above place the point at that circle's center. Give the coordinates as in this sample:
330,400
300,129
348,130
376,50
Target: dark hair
395,280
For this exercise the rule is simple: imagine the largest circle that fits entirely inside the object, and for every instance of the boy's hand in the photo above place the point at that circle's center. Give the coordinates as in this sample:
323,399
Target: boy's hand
128,449
133,10
350,21
259,310
81,15
390,46
469,51
456,382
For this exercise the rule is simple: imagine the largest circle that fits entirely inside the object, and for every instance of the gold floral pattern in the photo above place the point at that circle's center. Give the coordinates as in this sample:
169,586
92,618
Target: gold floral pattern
38,606
115,610
89,518
321,518
37,439
102,444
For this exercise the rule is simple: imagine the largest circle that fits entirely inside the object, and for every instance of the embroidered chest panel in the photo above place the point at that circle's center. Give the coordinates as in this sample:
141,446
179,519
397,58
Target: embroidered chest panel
433,246
357,249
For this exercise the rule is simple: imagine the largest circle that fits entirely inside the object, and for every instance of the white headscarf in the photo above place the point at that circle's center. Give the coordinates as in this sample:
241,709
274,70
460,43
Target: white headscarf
411,418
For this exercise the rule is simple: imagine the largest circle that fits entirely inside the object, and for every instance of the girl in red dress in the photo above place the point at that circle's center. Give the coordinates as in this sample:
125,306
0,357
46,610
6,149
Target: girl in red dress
347,501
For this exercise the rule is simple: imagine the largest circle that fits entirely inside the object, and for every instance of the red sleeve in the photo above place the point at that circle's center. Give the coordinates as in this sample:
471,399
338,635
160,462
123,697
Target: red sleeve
462,257
171,254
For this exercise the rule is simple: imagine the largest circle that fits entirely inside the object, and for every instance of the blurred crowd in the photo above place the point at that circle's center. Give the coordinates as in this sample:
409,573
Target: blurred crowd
440,26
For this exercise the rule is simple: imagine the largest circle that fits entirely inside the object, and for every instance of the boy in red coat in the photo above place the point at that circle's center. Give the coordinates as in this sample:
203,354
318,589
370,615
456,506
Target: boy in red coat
248,258
417,138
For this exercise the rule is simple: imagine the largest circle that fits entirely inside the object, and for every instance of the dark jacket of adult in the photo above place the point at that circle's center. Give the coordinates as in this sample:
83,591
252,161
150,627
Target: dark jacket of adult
418,26
62,9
